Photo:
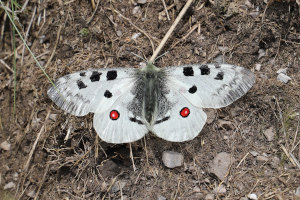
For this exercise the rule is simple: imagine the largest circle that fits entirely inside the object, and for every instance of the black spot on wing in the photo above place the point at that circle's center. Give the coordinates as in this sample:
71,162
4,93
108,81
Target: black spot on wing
111,75
162,120
107,94
193,89
95,76
134,119
220,76
82,74
188,71
204,70
81,85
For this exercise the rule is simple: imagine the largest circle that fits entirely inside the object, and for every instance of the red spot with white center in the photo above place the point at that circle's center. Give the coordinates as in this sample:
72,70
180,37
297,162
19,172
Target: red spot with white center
184,112
114,115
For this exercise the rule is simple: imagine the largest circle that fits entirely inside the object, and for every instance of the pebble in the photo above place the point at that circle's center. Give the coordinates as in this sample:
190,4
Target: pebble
172,159
15,176
220,189
220,59
142,1
210,197
119,33
9,185
196,189
135,36
252,196
297,192
283,78
261,53
282,70
220,165
161,197
5,146
269,134
254,153
257,67
118,186
262,158
211,115
31,193
136,9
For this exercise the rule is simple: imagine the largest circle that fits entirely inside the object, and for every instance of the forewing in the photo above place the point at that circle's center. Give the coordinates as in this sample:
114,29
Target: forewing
93,90
211,85
122,123
180,121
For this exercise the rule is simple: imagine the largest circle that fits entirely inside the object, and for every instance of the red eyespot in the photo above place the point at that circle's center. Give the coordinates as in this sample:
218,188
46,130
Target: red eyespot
114,115
185,112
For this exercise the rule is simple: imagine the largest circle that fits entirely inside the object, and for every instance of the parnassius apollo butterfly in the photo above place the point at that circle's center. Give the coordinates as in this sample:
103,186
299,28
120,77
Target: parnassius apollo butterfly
129,102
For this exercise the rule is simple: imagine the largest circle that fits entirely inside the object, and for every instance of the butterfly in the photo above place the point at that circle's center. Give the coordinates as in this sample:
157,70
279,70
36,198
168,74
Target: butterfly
129,102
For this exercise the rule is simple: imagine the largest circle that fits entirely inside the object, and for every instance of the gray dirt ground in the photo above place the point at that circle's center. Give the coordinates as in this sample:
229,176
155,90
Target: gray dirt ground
247,33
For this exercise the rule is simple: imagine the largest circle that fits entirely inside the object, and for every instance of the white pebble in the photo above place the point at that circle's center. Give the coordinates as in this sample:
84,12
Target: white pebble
283,78
5,146
252,196
9,185
172,159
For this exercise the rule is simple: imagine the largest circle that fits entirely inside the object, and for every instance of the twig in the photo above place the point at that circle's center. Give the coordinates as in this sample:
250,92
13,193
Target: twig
242,160
42,182
95,10
290,156
164,40
5,65
27,32
3,25
131,157
166,10
139,29
281,118
55,45
186,35
35,143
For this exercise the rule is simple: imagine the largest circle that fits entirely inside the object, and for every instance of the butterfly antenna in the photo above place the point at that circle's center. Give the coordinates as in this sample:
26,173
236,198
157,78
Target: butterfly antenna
139,57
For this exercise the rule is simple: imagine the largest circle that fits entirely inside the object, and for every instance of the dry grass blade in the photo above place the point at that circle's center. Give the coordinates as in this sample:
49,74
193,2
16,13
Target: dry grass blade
6,66
168,34
35,143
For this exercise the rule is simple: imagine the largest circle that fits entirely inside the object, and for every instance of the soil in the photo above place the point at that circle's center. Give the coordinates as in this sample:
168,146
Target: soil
69,161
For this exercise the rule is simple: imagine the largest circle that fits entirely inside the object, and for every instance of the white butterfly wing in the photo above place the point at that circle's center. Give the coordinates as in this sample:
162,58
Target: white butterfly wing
119,124
93,90
181,122
211,85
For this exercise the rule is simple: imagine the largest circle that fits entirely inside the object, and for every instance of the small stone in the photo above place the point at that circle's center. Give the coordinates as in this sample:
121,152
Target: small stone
261,53
159,197
262,158
15,176
172,159
31,193
119,33
282,70
220,189
297,192
220,165
196,189
118,186
210,197
257,67
5,146
211,115
220,59
136,9
243,198
9,185
142,1
269,134
283,78
135,36
275,162
254,153
252,196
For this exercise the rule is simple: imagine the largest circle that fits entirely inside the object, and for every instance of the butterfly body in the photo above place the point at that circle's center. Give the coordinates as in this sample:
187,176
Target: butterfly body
129,102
